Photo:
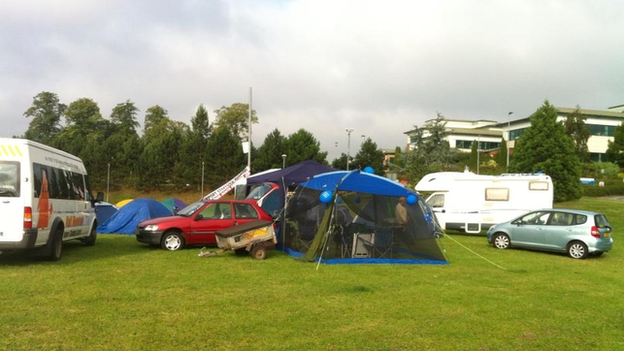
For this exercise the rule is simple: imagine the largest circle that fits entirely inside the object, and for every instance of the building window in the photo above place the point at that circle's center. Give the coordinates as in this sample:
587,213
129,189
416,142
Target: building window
515,134
483,145
597,157
413,139
601,130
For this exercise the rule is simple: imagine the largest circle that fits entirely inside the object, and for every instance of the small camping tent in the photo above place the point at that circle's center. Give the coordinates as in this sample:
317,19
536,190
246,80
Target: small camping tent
351,217
173,204
103,211
123,203
128,217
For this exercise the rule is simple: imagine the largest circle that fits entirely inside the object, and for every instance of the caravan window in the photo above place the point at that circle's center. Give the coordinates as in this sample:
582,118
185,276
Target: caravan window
9,179
436,201
496,194
538,185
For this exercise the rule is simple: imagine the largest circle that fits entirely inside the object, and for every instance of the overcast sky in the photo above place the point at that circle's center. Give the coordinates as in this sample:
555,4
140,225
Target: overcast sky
379,67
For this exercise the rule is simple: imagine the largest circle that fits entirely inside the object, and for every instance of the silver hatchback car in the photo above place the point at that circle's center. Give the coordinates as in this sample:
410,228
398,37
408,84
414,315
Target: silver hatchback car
577,233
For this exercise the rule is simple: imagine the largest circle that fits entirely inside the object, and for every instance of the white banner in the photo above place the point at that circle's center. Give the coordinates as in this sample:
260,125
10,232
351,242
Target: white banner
225,188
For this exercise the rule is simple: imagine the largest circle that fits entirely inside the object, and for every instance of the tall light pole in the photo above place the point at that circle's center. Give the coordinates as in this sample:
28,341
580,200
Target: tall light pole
202,181
107,180
508,136
349,130
284,161
249,153
478,144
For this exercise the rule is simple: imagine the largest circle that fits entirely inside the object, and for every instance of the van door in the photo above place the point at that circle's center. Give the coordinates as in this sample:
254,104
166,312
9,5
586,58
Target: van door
11,202
436,202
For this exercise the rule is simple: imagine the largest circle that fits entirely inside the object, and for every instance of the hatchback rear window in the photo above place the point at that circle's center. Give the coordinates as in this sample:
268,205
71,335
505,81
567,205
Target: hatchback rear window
601,221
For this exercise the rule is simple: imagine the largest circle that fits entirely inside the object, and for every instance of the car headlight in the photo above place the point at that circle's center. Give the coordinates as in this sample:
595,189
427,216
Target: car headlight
152,227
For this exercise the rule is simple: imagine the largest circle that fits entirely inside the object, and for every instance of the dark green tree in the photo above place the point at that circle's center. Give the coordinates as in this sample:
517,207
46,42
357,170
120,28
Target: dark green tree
271,151
615,150
226,155
153,117
123,117
579,133
341,162
431,153
501,155
370,155
82,118
200,123
193,149
472,162
236,119
302,146
545,147
46,112
160,154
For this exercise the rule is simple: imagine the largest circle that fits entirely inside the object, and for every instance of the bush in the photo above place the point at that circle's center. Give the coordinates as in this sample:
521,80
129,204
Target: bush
610,189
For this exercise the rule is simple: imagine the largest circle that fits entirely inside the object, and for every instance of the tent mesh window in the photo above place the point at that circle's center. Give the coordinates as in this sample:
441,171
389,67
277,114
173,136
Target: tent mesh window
359,228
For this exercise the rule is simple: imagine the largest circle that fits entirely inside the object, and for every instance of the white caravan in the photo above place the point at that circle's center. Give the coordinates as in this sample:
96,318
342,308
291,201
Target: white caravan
44,198
471,203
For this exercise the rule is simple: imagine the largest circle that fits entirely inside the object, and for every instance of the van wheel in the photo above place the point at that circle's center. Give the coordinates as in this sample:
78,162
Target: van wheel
90,240
577,250
56,246
172,241
501,241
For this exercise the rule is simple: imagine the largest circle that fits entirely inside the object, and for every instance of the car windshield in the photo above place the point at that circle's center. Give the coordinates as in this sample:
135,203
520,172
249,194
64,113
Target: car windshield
9,179
259,191
190,209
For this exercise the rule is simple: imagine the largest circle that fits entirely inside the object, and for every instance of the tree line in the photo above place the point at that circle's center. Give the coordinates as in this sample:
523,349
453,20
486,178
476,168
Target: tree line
169,153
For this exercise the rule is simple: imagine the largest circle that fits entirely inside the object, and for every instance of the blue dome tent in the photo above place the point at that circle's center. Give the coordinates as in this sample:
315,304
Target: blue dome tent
367,219
126,219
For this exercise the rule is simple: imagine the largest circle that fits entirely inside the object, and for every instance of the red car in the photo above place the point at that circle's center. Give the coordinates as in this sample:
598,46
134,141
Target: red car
197,223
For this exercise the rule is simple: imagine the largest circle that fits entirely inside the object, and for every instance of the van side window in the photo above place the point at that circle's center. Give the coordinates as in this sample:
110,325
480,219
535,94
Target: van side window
497,194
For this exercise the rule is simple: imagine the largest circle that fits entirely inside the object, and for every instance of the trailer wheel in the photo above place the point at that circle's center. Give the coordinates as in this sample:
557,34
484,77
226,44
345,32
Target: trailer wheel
259,252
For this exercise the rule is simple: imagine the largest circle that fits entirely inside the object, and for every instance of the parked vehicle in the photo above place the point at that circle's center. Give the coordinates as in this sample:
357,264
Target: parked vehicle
197,223
44,198
472,203
577,233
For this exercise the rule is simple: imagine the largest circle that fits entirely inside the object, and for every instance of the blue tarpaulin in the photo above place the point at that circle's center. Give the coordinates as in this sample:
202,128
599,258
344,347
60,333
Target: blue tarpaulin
357,181
128,217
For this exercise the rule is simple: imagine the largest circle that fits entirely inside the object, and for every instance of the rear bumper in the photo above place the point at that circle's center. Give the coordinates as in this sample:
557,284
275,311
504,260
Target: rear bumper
601,245
28,241
148,237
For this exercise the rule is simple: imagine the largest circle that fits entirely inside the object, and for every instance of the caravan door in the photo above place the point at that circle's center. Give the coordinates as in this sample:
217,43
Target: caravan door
436,202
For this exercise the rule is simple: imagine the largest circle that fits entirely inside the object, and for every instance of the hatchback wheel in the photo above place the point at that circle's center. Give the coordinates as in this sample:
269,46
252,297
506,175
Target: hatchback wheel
577,250
172,241
501,241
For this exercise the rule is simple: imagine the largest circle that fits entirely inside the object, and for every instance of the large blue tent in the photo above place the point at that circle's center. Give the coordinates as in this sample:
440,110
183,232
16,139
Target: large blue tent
358,217
129,216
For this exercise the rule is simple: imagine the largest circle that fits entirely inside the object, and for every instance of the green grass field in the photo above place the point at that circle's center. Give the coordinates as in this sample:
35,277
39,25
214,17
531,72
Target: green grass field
122,295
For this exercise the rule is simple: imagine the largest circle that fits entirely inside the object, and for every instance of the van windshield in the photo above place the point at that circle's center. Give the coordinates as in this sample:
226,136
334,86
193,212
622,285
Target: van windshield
9,179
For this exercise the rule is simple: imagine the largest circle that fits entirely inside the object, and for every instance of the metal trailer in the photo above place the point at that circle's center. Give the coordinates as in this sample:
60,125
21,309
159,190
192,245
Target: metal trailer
254,237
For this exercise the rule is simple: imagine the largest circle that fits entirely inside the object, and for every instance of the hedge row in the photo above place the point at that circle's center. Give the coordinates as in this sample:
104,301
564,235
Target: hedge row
607,190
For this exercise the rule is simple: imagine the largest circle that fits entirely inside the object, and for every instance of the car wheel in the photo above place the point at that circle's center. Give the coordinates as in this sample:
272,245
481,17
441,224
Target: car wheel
172,241
90,240
501,241
577,250
56,246
259,252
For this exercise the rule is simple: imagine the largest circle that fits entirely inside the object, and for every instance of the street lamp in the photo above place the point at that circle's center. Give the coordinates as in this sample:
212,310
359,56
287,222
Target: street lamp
284,161
508,136
348,130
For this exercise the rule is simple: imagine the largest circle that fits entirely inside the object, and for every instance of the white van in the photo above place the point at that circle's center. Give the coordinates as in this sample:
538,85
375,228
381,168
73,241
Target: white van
472,203
44,198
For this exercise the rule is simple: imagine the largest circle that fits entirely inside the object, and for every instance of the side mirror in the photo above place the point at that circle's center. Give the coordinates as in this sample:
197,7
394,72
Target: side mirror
100,196
198,217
